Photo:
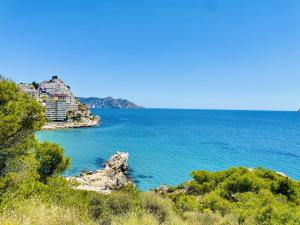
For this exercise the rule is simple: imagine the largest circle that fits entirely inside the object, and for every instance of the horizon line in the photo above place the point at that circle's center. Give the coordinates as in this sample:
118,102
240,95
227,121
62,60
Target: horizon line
211,109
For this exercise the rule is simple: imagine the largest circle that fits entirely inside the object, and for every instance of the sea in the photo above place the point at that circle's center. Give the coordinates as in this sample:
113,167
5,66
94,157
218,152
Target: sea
166,145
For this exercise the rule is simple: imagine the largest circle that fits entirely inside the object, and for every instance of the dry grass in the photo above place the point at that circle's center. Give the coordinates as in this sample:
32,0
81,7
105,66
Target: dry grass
197,218
154,210
33,212
136,218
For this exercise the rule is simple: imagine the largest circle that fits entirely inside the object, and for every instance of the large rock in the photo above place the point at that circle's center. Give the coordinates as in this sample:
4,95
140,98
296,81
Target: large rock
118,162
110,178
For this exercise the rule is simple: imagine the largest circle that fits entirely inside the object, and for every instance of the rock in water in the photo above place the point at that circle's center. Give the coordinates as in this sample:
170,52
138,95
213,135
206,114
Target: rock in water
118,162
110,178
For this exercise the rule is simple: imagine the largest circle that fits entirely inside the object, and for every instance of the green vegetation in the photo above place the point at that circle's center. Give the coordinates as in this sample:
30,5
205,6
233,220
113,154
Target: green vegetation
83,112
32,191
20,115
51,160
254,196
54,77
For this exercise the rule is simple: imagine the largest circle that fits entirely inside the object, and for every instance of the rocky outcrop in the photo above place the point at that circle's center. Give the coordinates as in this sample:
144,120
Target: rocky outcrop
118,162
84,122
112,177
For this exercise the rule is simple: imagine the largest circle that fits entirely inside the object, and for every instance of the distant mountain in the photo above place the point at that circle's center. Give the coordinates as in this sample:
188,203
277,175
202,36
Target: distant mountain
108,103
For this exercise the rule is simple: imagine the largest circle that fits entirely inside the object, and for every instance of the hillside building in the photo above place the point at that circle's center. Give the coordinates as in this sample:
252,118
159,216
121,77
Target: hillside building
30,90
56,108
55,96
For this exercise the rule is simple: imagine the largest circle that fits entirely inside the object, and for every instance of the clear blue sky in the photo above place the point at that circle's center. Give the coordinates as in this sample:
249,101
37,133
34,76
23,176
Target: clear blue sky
232,54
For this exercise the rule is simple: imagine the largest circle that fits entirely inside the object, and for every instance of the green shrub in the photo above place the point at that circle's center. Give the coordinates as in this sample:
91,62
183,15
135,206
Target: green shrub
254,196
156,206
186,203
119,203
285,187
51,160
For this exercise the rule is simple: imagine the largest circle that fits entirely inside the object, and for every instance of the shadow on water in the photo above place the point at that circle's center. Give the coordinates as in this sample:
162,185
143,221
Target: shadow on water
137,179
137,182
99,162
281,153
141,176
130,171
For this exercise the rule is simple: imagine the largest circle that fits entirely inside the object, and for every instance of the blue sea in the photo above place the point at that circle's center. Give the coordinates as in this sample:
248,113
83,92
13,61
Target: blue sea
165,145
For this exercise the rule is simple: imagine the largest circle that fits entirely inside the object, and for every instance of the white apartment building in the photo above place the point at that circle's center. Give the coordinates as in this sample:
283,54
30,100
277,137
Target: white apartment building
58,88
55,96
56,110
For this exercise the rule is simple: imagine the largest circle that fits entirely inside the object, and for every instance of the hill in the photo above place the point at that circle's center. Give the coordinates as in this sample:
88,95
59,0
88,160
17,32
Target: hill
108,103
62,108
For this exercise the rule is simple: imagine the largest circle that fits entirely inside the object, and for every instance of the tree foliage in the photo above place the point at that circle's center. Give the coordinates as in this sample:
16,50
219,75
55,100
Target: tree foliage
22,159
20,115
35,84
51,160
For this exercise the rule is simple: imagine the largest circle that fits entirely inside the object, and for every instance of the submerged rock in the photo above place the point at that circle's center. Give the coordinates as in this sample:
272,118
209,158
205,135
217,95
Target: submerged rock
112,177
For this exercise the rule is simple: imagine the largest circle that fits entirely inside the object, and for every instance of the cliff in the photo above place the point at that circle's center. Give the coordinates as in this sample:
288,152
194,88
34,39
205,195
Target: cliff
108,103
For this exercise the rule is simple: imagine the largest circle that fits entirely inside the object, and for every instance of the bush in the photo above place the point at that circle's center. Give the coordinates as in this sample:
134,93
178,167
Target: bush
186,203
285,187
97,207
253,196
120,203
51,159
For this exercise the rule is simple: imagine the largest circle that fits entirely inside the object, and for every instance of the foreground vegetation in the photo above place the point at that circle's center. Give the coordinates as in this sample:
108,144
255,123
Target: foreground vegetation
32,192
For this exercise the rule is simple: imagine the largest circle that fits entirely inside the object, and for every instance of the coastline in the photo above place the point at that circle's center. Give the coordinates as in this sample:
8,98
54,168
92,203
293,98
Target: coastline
131,130
85,122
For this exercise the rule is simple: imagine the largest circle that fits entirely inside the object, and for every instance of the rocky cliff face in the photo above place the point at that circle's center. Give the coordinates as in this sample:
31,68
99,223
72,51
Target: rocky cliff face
110,178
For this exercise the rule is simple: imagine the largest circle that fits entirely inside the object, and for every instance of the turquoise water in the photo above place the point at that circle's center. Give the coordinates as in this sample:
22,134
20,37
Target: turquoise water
166,145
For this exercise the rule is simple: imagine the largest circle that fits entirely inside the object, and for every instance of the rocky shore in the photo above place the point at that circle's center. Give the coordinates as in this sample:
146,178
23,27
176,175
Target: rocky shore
85,122
112,177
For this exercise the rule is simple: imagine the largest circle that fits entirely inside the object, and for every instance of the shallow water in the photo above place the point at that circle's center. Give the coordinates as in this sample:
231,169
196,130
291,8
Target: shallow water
165,145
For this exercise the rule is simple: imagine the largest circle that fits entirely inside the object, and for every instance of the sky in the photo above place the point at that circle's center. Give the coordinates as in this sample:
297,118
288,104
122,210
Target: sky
210,54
